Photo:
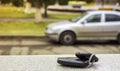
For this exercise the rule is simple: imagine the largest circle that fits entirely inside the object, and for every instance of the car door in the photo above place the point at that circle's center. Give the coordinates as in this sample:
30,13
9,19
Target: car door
92,27
111,25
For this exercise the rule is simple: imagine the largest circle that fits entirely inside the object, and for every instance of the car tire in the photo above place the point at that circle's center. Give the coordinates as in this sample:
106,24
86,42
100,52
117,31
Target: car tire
118,38
67,38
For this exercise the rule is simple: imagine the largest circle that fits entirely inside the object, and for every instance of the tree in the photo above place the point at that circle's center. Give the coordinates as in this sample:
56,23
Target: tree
46,4
52,2
89,1
5,1
39,4
102,1
63,2
118,1
32,2
38,14
27,6
17,2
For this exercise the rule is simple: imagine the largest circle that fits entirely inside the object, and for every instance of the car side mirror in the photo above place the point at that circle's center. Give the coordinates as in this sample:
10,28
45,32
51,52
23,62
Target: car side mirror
83,22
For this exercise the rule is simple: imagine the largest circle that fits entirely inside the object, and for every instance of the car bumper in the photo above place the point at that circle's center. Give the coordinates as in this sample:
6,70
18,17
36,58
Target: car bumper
52,36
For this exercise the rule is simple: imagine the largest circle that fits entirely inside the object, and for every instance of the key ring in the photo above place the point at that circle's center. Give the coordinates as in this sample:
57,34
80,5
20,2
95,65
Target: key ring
89,61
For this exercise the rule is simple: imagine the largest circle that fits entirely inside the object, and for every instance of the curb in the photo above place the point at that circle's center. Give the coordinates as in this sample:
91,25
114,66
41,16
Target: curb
22,36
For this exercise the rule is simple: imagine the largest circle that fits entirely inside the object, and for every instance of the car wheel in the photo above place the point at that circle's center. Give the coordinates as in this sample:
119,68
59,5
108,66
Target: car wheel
67,38
118,39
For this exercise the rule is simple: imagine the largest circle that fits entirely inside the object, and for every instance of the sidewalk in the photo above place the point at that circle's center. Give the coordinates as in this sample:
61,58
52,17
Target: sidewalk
107,62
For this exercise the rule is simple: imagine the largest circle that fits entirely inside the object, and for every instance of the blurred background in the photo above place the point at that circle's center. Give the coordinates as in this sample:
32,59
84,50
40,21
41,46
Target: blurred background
23,23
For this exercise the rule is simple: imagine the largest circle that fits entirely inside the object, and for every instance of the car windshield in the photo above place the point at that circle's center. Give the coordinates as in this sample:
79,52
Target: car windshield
78,18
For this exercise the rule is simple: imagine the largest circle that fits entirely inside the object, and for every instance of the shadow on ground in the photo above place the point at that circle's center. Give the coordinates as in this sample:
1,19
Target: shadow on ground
87,42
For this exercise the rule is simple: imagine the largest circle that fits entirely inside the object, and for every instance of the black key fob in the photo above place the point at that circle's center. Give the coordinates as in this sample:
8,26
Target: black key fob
82,60
86,56
72,62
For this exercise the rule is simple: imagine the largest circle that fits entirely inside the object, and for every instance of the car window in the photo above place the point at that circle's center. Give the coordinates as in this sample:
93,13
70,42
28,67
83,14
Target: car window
112,17
78,18
94,18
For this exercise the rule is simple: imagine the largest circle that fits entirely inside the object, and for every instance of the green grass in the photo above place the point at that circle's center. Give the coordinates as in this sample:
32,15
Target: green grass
13,12
23,28
63,16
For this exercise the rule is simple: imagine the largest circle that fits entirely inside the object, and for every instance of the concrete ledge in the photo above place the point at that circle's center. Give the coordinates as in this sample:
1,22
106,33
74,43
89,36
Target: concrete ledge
107,62
7,40
22,36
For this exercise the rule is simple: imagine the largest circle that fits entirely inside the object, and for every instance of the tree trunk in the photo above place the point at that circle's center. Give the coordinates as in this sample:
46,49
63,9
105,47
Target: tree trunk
38,15
27,6
45,11
118,1
24,1
0,2
102,1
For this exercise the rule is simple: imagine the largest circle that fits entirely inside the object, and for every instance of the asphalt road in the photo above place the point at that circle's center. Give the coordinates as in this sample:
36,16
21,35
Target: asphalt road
38,46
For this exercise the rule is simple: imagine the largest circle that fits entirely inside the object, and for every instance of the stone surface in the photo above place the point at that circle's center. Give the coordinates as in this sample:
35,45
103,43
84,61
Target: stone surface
9,42
100,49
107,62
40,51
36,46
65,50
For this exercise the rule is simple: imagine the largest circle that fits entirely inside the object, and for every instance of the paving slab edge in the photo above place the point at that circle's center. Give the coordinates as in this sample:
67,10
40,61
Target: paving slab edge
32,36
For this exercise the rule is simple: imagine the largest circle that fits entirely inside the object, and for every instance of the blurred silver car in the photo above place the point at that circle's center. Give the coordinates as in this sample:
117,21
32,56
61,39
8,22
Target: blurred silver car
93,25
